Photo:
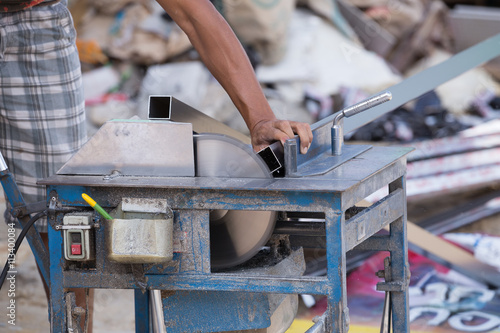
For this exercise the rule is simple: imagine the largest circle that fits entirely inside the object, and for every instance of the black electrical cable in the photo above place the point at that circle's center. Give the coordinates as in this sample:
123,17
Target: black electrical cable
18,243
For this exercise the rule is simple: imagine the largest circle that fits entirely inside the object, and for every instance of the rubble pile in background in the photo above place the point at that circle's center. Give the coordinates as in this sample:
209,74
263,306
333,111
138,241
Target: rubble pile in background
308,57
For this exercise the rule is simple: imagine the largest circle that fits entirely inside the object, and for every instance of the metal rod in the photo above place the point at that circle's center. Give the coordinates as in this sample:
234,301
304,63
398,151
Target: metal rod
337,129
365,105
157,312
301,228
319,327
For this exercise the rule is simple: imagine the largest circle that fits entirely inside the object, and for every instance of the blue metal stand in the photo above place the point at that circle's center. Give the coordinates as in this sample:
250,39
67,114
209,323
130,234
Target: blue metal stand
192,198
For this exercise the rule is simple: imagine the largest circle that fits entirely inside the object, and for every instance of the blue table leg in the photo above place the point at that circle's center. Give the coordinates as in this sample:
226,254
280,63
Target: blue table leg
141,311
338,313
400,267
57,308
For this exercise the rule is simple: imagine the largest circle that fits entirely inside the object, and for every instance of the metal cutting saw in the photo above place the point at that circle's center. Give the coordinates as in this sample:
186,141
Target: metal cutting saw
209,234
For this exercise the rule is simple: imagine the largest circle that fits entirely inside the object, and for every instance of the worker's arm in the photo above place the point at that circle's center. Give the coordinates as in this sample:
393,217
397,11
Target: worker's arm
224,56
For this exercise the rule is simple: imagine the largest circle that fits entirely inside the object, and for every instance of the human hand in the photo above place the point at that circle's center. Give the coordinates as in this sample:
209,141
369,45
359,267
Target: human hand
266,132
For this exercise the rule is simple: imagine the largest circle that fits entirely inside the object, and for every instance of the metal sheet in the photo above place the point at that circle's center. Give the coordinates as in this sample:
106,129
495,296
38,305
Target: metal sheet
202,123
136,148
235,235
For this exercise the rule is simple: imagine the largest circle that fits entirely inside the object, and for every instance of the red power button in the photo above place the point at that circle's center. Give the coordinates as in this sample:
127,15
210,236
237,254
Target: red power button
76,249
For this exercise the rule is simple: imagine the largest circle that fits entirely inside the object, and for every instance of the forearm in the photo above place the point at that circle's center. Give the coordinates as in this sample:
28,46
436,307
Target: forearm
223,55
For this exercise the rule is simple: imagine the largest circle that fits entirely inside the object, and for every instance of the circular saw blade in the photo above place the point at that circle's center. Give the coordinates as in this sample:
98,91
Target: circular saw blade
235,235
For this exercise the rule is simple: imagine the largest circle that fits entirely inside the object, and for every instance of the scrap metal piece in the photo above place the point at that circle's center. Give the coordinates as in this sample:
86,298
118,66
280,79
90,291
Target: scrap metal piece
235,235
180,112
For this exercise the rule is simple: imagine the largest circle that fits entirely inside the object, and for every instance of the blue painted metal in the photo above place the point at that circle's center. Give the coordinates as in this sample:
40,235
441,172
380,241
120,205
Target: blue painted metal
332,193
188,275
16,200
141,311
399,265
57,304
374,218
233,282
188,311
11,190
337,319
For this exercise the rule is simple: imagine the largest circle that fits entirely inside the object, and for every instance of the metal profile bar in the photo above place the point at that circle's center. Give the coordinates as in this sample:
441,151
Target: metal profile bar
453,182
202,123
456,217
211,282
406,91
56,291
400,267
300,228
337,311
373,36
428,149
228,282
453,163
375,243
429,79
142,305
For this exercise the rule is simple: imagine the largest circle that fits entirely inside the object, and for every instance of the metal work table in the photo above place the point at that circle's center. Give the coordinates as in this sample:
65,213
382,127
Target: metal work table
191,199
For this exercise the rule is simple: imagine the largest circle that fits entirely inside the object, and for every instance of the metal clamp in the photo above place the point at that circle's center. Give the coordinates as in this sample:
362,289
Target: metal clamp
337,129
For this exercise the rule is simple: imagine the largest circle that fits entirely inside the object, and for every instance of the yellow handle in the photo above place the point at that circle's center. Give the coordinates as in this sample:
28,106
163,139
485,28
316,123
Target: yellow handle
89,200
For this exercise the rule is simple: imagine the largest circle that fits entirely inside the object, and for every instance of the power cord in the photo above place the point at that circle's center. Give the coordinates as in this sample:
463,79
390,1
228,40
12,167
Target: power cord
19,240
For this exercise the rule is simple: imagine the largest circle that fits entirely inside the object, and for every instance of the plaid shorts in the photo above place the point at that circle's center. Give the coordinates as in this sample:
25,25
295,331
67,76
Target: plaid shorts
42,116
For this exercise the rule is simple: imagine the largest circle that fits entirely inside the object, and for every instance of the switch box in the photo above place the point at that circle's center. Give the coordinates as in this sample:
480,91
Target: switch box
77,237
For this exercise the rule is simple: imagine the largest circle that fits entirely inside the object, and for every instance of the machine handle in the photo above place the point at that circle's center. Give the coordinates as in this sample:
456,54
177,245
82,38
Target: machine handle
367,104
362,106
338,131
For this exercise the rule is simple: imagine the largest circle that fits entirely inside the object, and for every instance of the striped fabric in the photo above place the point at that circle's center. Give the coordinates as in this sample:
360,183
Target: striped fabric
42,117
